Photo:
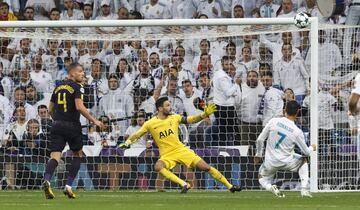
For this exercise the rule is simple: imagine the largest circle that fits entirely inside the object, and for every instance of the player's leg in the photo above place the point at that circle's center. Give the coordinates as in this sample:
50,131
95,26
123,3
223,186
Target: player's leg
266,174
304,178
75,144
56,146
161,166
203,166
74,169
49,171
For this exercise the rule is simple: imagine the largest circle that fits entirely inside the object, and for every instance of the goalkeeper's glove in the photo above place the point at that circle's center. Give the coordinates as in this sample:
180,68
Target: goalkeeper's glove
124,145
209,109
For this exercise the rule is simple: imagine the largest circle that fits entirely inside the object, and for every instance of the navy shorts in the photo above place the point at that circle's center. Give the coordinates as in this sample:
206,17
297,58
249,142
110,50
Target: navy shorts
63,132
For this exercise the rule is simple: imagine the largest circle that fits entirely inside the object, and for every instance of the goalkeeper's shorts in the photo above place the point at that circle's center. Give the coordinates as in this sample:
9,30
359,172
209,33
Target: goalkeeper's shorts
185,157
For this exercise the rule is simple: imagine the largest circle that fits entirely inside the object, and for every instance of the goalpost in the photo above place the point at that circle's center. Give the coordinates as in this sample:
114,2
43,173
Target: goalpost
109,168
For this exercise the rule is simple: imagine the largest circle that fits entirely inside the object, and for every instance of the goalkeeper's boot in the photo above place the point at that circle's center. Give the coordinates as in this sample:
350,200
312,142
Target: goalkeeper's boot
185,188
235,188
276,191
306,193
69,193
47,190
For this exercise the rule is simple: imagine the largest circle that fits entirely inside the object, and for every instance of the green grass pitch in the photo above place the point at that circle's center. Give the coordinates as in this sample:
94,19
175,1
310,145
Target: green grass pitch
207,200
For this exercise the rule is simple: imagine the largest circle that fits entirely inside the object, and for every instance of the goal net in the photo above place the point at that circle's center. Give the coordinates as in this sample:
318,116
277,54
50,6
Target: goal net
128,68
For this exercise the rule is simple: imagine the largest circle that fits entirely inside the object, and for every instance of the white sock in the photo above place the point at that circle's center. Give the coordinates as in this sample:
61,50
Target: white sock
304,175
68,187
265,183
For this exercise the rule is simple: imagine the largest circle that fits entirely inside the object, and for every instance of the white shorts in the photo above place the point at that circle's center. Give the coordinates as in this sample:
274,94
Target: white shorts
268,169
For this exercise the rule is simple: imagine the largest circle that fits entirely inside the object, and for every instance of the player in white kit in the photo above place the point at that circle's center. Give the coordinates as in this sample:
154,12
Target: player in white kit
282,135
354,117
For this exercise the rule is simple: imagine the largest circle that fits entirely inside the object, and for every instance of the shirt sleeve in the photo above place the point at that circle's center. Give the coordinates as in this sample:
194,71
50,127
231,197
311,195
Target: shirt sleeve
79,91
261,139
300,142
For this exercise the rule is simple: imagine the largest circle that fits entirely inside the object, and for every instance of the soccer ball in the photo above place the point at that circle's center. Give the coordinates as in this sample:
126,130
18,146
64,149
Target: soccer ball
301,20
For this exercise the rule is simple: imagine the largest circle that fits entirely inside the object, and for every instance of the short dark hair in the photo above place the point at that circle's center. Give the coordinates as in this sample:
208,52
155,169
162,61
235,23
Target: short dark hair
42,106
268,73
291,108
225,58
160,102
186,81
73,66
55,10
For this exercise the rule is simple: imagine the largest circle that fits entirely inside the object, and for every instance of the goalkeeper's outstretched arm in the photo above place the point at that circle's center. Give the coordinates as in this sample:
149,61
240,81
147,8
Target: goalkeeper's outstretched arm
136,136
209,110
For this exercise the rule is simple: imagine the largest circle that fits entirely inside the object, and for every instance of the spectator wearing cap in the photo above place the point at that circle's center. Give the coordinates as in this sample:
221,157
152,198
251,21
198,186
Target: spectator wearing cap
105,14
70,13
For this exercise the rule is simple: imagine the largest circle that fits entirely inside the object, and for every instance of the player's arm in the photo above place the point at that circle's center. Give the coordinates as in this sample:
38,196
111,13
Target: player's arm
209,110
136,136
300,142
84,112
260,142
354,98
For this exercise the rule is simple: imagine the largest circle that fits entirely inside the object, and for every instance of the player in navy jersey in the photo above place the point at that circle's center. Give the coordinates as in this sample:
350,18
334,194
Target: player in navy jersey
65,108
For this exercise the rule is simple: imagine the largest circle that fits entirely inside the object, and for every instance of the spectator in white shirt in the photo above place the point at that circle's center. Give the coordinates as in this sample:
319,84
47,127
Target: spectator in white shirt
252,92
287,9
272,104
225,91
40,79
93,52
106,14
19,99
156,69
22,58
182,10
269,10
70,13
14,132
42,8
105,137
117,104
5,114
138,121
210,8
196,131
125,74
290,72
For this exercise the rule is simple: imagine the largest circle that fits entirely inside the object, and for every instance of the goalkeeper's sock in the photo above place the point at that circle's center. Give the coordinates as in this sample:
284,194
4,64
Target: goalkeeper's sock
219,177
169,175
304,175
50,168
74,168
264,182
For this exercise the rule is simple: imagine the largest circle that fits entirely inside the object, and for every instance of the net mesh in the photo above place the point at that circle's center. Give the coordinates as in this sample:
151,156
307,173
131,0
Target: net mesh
148,65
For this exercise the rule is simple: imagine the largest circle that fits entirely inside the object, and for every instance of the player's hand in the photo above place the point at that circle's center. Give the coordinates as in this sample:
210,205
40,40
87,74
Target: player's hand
257,160
124,145
314,147
210,109
99,124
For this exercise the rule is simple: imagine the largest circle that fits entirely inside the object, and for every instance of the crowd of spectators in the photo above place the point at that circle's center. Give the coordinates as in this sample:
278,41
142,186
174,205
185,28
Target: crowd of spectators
248,77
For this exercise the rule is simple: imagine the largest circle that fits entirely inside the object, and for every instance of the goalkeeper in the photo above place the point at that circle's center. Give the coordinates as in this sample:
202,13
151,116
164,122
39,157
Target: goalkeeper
164,129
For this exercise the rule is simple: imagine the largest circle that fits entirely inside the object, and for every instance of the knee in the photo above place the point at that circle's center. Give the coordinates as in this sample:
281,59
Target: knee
159,166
